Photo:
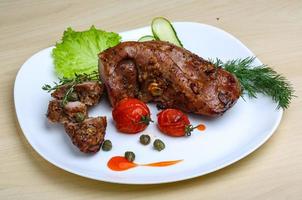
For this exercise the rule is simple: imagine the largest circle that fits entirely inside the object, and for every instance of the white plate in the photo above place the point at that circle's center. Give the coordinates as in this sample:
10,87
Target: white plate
226,140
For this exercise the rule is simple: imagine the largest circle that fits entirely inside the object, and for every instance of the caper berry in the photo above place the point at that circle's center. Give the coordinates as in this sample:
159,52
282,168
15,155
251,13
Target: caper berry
158,145
144,139
130,156
107,145
79,117
73,97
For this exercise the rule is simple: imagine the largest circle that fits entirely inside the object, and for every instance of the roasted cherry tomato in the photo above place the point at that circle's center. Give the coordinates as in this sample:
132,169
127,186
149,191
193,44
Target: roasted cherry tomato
173,122
131,115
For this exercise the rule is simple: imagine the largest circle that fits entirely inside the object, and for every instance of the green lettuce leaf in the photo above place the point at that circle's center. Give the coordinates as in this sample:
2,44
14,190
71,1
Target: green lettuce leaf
78,51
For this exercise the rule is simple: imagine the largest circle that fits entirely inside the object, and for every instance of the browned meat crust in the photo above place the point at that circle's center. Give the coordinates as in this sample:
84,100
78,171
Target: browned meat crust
168,75
61,114
87,135
89,92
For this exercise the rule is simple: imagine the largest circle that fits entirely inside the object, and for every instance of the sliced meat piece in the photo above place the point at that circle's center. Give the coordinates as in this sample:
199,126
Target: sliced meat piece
72,111
76,111
55,112
59,93
88,92
88,135
171,76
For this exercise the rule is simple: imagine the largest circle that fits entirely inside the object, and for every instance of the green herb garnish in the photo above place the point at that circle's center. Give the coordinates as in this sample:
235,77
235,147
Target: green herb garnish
78,51
71,82
259,79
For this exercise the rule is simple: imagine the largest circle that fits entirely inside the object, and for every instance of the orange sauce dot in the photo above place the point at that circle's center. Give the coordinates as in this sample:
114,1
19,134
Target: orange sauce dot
201,127
120,163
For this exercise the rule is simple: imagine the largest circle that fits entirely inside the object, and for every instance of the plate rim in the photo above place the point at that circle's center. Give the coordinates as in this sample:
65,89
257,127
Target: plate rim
226,163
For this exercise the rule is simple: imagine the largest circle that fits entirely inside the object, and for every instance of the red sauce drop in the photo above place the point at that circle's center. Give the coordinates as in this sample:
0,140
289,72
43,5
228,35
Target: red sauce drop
201,127
120,163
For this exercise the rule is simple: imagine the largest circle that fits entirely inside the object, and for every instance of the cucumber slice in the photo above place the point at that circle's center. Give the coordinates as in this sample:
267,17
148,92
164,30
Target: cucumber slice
163,30
146,38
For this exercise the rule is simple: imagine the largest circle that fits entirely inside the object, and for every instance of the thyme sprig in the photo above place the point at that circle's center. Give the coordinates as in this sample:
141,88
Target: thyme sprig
259,79
71,82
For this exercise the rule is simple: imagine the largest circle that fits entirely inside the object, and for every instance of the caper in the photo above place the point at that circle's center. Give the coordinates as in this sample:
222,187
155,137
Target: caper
130,156
158,145
144,139
73,97
79,117
107,145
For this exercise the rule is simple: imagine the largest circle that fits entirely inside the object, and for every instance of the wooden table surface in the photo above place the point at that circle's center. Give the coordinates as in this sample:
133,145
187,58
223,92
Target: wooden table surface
271,29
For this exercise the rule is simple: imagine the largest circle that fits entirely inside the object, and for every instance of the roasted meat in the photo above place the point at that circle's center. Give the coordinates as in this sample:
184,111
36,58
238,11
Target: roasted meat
74,109
89,92
88,135
70,112
168,75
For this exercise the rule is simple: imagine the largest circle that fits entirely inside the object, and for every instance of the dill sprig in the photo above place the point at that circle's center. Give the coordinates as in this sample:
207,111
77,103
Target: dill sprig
71,82
259,79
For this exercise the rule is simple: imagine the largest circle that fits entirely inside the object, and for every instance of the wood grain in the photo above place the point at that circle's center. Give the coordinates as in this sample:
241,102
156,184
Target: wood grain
272,29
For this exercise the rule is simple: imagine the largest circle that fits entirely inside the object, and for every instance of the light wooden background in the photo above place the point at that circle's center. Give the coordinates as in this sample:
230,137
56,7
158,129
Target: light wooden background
272,29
